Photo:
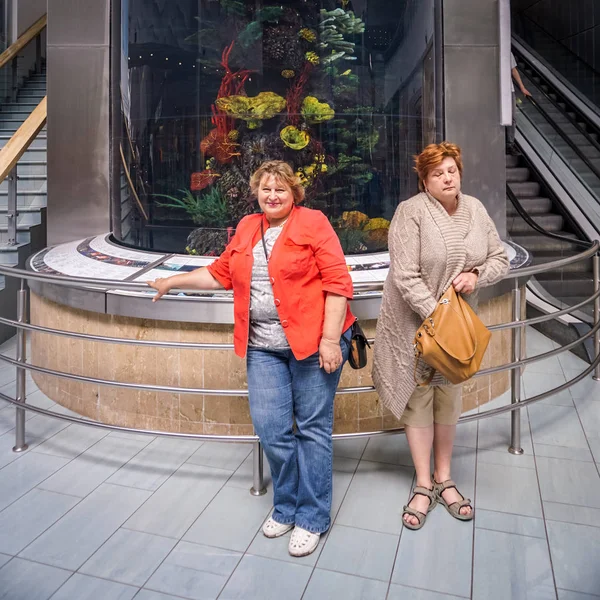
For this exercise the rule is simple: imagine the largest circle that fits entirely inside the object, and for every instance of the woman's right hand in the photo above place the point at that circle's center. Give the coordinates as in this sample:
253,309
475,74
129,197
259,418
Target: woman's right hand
162,286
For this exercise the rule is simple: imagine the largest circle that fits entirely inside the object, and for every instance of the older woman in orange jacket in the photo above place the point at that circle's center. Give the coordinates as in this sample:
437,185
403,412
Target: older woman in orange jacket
291,289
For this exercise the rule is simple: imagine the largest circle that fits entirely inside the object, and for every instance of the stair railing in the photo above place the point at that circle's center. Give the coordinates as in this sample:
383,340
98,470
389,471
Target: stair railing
24,136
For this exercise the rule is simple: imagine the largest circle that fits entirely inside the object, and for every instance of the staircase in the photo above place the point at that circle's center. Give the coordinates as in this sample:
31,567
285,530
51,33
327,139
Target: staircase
31,177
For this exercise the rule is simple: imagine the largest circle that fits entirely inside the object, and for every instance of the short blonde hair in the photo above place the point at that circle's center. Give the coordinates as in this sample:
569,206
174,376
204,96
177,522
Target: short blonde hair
283,172
432,156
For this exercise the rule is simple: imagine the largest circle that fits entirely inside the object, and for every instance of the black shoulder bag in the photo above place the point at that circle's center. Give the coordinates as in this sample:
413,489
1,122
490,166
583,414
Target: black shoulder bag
357,358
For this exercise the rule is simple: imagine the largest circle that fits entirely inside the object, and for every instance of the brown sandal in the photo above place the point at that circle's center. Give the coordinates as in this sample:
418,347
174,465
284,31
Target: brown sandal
454,508
413,512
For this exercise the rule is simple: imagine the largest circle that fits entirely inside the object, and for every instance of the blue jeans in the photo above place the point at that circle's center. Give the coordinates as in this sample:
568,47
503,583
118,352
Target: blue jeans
283,391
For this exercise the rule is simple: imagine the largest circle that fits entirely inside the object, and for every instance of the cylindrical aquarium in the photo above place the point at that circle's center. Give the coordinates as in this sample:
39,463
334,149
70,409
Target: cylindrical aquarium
344,90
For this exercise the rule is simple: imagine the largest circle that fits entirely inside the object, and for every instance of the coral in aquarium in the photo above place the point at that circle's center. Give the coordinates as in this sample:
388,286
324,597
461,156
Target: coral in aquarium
294,138
282,82
316,112
252,110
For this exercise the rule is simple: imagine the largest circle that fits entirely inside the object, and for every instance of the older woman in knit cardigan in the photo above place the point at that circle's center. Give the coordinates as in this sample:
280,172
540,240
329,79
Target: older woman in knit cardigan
438,238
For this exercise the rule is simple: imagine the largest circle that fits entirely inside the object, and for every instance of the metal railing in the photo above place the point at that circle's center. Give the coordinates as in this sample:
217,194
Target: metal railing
518,361
24,136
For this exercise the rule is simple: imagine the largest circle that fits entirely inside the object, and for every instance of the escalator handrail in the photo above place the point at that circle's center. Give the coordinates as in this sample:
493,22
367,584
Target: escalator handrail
554,103
566,138
584,105
527,218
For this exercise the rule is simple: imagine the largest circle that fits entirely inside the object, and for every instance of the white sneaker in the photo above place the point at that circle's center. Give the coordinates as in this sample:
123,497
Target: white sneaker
273,529
303,542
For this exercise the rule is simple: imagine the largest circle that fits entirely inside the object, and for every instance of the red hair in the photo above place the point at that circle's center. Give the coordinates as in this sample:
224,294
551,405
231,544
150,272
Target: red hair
432,156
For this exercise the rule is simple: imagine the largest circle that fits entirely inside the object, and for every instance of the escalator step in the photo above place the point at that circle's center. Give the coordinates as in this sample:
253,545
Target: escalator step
549,222
526,189
517,174
533,206
512,161
541,243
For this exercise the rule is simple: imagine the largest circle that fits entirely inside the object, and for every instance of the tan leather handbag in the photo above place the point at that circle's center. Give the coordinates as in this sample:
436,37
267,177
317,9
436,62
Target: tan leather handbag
452,340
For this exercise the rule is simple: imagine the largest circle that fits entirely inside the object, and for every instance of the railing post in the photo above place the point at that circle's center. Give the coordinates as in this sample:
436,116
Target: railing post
38,53
596,268
12,213
14,80
20,445
515,374
258,488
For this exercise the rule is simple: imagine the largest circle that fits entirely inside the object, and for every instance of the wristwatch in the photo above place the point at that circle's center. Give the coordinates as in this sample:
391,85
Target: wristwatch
475,271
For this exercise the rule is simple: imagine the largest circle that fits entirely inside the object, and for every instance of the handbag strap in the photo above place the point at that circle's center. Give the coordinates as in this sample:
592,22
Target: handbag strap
262,237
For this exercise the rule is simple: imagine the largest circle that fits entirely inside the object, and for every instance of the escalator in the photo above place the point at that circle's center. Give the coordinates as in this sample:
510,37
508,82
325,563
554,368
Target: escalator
553,185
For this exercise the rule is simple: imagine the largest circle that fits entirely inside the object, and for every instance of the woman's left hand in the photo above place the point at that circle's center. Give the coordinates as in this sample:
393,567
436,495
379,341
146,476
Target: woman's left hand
465,283
330,355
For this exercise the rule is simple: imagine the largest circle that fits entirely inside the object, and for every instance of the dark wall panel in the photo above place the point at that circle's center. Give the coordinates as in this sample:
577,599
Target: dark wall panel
575,23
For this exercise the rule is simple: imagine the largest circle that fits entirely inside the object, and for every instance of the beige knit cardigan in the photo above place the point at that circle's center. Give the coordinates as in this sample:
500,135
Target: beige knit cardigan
428,249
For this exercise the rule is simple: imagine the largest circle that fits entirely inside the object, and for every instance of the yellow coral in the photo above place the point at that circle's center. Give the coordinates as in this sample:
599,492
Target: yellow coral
354,218
308,34
233,135
312,58
288,74
263,106
294,138
378,223
315,111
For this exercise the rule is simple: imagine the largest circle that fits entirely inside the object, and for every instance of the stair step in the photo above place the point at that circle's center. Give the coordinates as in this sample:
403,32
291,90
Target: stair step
25,218
27,183
23,234
38,144
545,257
533,206
24,199
17,107
568,284
32,167
517,174
540,243
552,223
9,254
526,189
512,161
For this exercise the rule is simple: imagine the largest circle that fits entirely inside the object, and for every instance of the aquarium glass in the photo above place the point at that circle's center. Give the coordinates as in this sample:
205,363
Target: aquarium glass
343,90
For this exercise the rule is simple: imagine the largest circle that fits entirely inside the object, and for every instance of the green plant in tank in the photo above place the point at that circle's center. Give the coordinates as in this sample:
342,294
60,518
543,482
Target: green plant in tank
334,27
208,210
233,7
254,30
316,112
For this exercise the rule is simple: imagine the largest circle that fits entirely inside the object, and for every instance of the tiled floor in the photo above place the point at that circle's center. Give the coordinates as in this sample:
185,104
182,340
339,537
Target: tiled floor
86,514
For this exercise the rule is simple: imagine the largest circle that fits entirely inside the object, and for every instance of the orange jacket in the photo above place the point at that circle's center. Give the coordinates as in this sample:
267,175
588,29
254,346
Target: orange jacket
307,261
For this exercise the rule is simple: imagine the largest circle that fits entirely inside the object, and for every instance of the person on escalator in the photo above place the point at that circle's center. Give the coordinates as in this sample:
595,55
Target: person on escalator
292,321
511,131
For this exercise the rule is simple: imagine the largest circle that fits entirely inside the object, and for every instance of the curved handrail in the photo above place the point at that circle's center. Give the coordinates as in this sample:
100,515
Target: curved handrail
13,50
22,138
252,438
527,218
117,284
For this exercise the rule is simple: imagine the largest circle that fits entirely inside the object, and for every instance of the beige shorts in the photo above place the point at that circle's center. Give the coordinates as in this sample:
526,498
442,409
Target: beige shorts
441,404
